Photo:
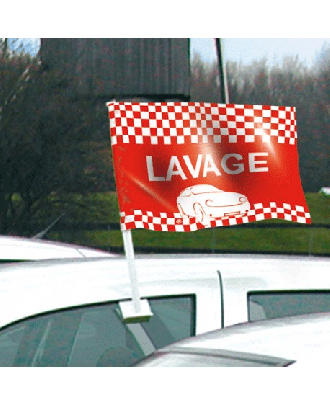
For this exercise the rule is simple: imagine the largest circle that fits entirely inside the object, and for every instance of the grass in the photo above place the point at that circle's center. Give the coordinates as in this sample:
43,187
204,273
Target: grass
104,208
319,206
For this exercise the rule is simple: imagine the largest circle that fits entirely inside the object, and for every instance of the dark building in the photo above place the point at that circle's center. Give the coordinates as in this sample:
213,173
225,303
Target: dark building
152,68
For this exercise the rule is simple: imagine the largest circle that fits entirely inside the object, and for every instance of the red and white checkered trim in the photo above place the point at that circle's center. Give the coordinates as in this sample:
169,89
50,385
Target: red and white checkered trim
180,122
165,222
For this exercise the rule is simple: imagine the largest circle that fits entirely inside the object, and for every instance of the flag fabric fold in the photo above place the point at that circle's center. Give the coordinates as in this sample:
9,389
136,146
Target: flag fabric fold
184,166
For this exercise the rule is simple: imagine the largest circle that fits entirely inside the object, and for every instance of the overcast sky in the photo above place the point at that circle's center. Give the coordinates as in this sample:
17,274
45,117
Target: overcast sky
249,49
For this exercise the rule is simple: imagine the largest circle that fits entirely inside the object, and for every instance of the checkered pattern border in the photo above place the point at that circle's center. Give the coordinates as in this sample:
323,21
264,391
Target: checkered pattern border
164,222
180,122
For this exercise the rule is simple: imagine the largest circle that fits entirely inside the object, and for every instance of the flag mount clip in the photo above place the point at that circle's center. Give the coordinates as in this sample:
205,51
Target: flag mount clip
131,315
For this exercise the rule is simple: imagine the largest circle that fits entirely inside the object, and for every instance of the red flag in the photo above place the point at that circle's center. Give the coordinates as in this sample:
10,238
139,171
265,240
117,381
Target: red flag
183,166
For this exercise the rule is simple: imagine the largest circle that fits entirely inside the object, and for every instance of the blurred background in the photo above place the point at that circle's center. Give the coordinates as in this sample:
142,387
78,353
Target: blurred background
56,170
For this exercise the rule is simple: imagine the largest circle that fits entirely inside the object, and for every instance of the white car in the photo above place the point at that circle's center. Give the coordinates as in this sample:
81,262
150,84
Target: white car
206,203
297,341
14,248
68,312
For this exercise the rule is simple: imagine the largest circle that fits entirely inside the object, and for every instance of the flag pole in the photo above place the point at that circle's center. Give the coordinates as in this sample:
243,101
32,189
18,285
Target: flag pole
129,252
224,94
137,309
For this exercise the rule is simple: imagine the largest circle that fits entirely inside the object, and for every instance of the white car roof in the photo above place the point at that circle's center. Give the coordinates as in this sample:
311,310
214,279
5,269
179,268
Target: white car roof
31,288
23,249
292,338
245,273
35,287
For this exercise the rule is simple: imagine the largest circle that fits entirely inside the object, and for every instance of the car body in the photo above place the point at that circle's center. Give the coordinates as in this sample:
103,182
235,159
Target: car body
15,248
284,342
67,312
206,203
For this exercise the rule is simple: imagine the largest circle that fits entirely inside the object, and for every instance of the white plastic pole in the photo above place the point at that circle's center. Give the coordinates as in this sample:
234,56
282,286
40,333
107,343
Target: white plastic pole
129,251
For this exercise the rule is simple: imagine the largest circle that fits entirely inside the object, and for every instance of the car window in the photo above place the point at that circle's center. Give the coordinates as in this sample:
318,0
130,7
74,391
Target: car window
95,335
173,320
272,304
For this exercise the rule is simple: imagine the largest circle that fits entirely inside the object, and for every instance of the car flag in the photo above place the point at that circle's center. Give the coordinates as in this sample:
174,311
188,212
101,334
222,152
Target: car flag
183,166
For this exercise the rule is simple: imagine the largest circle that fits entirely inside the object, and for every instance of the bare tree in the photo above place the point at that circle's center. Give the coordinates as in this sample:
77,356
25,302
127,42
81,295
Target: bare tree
291,84
50,144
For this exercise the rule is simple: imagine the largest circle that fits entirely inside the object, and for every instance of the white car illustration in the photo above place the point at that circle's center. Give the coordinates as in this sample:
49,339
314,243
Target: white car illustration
206,203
